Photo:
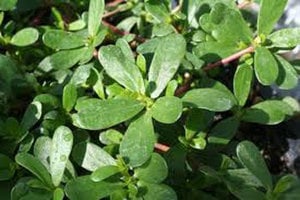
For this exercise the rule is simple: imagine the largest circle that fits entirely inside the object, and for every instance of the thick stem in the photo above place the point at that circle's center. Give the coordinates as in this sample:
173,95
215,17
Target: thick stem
114,3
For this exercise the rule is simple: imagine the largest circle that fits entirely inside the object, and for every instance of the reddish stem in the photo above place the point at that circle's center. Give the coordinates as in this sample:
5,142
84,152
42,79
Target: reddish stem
162,147
243,4
229,59
120,32
109,14
114,3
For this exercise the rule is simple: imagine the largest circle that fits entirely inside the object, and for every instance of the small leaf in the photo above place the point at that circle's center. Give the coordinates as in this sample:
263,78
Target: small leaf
7,168
42,149
121,68
58,39
138,142
7,4
166,60
34,166
269,14
242,83
268,112
58,194
224,131
84,188
61,60
285,38
265,65
104,172
167,109
95,114
209,99
69,97
159,192
96,10
62,142
251,158
158,10
25,37
154,170
91,157
288,77
285,183
32,114
26,143
125,48
110,136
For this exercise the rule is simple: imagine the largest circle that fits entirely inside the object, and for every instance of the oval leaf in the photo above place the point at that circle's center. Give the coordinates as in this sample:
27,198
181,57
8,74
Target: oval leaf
91,157
58,39
265,65
209,99
25,37
121,68
269,14
285,38
288,77
62,142
32,114
42,149
167,109
154,170
242,83
104,172
165,63
69,96
268,112
159,192
7,4
95,114
84,188
251,158
138,142
34,166
7,168
96,10
110,136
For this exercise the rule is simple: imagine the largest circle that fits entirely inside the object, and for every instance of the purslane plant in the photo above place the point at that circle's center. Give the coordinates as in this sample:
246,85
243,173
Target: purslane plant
113,115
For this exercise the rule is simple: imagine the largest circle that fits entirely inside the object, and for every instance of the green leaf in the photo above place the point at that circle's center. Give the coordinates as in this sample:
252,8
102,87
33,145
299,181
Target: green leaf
7,168
212,51
125,48
69,97
288,77
285,183
158,10
25,37
49,102
96,10
58,194
138,142
242,83
32,164
121,68
154,170
167,109
32,114
251,158
84,188
110,136
7,4
269,14
166,60
268,112
104,172
265,65
159,192
95,114
58,39
91,157
62,142
26,143
61,60
285,38
224,131
42,149
209,99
